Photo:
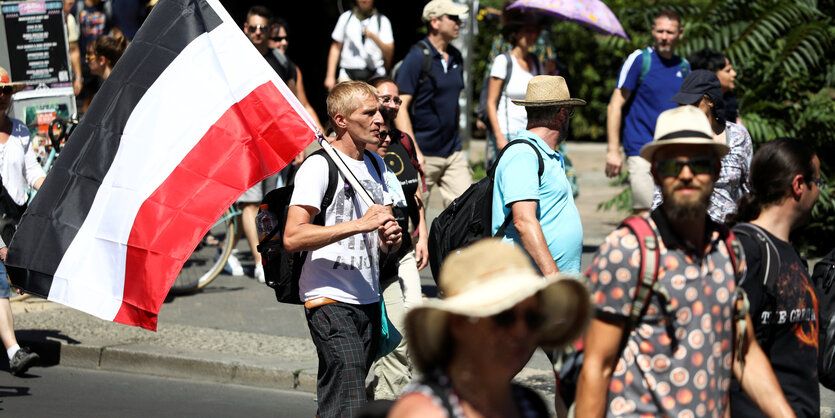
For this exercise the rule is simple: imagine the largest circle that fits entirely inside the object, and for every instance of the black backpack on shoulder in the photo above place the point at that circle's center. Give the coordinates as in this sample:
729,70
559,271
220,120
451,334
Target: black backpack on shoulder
282,269
469,217
823,277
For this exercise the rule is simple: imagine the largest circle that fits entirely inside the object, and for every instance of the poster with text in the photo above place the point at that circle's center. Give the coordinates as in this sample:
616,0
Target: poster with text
37,43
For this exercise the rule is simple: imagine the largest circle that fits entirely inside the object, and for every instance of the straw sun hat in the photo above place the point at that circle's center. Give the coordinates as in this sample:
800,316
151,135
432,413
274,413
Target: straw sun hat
487,278
6,80
682,125
548,90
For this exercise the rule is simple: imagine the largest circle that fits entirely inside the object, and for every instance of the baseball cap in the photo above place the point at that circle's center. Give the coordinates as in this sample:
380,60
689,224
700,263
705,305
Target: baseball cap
438,8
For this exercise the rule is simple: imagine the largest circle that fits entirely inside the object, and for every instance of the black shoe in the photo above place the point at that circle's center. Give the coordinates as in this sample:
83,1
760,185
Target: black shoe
22,361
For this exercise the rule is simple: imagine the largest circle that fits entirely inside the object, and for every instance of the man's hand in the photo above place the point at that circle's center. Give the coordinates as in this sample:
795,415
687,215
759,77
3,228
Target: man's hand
391,234
422,254
614,163
376,218
3,252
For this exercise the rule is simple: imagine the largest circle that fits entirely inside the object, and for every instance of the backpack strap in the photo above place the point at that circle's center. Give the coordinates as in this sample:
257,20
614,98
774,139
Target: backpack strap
685,67
648,269
492,174
741,304
327,199
426,69
508,71
646,63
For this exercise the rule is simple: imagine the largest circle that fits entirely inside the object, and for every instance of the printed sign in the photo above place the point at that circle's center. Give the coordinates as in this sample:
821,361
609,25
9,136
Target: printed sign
37,43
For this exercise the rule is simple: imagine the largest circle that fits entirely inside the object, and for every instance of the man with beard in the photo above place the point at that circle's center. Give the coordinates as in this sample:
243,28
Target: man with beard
785,180
647,81
678,357
539,212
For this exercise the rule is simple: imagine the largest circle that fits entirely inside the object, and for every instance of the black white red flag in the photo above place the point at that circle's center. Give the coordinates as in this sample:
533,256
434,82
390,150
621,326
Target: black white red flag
190,118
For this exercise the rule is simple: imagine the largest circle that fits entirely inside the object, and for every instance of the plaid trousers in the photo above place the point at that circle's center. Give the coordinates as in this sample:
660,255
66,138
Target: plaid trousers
346,338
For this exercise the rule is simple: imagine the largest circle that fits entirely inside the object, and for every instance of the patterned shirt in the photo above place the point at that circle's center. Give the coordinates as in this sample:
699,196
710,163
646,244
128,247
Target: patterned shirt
677,360
733,177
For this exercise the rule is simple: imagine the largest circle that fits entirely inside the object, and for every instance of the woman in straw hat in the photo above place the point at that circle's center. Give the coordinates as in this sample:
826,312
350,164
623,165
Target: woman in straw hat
18,167
469,345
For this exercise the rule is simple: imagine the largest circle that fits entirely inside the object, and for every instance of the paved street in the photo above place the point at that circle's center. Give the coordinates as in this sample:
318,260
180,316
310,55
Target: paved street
68,392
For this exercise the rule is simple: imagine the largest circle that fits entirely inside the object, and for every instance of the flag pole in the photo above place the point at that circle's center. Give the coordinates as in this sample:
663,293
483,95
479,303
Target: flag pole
346,172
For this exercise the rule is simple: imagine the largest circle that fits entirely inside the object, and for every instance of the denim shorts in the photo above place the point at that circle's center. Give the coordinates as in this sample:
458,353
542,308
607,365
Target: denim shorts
5,288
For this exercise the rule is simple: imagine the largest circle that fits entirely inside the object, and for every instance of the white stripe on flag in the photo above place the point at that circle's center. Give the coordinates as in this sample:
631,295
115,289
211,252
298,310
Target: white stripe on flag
211,74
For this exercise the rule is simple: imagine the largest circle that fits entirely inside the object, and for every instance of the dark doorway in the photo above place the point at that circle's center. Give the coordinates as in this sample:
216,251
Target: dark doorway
310,24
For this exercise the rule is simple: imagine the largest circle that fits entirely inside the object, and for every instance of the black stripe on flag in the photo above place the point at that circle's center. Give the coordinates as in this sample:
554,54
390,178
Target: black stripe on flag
57,213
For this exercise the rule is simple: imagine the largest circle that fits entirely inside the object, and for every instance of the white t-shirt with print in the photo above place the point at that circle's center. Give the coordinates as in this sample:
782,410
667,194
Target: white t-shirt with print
356,54
347,270
516,89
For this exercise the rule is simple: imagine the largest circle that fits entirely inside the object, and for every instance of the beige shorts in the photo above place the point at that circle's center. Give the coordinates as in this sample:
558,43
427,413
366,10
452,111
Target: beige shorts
640,181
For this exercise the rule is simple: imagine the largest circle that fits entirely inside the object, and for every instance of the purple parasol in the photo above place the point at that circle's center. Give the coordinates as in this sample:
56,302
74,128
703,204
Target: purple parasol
593,14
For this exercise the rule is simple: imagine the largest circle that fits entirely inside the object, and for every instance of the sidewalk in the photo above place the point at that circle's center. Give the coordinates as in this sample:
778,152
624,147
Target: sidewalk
234,332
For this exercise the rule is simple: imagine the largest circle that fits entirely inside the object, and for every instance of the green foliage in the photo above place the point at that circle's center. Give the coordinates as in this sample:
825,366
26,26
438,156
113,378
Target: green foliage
477,168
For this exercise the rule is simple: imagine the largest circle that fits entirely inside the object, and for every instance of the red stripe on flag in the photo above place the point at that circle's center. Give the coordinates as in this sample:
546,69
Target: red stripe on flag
254,139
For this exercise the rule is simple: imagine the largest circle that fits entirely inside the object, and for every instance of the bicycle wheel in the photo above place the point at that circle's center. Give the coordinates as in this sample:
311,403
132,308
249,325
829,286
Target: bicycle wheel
208,259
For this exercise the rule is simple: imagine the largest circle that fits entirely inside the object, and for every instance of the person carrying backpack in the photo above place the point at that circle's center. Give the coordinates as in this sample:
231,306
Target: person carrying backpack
509,76
362,47
693,332
785,179
431,78
536,211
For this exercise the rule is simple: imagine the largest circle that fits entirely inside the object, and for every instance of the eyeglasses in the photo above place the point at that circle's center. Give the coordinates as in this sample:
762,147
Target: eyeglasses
673,167
255,28
7,90
278,38
507,319
570,110
90,56
384,134
820,181
388,99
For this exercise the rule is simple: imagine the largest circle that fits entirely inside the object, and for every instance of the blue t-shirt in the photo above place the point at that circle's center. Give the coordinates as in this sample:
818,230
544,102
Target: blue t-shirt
435,118
649,98
126,15
517,179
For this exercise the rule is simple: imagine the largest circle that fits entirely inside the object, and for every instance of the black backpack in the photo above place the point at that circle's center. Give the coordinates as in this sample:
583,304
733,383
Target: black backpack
769,270
823,277
481,109
469,217
282,269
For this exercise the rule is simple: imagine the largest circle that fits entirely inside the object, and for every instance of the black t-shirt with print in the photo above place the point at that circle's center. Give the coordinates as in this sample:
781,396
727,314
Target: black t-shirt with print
397,159
786,319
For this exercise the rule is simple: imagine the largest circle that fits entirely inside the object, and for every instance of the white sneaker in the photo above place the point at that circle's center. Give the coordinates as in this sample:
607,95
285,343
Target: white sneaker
233,266
259,273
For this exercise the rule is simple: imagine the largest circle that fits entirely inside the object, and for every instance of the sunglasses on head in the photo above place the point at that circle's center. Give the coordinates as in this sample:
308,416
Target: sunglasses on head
673,167
533,319
278,38
7,90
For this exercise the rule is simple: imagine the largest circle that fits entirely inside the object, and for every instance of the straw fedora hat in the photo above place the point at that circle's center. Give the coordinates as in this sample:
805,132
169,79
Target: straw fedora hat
548,90
682,125
6,80
489,277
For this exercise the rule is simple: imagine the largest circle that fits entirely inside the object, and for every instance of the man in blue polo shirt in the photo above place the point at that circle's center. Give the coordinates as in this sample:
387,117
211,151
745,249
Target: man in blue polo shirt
543,217
432,100
641,94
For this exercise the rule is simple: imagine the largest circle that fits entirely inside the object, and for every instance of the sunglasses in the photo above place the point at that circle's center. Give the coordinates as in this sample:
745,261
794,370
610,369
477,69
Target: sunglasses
698,165
90,56
7,90
455,19
256,28
278,38
384,134
570,111
820,181
388,99
533,319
